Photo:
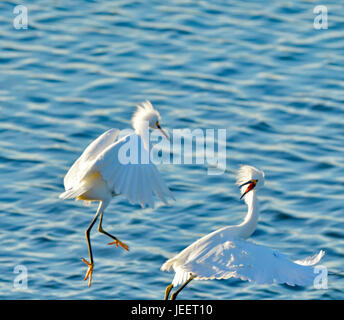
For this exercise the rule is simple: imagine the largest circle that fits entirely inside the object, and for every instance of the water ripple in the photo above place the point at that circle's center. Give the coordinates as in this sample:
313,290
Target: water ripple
258,70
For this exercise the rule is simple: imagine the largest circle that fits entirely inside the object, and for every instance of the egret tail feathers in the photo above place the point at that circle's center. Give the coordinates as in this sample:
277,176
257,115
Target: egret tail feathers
167,265
180,276
73,193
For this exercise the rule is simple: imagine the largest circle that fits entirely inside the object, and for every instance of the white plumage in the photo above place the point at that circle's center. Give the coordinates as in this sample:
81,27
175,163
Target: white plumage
74,179
110,166
225,253
138,182
101,160
222,259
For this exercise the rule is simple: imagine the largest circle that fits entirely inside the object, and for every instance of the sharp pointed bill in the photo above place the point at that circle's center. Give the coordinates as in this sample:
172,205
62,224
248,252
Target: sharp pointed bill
162,131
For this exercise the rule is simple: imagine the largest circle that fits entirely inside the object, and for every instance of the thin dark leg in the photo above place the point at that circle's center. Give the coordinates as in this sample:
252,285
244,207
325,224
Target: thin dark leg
174,295
100,229
167,291
87,233
90,264
116,240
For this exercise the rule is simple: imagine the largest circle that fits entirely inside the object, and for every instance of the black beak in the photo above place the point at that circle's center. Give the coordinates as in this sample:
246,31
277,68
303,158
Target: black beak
163,132
244,184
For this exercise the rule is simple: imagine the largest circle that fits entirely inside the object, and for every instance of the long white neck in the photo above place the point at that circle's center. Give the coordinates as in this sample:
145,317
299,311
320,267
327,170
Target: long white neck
142,129
250,223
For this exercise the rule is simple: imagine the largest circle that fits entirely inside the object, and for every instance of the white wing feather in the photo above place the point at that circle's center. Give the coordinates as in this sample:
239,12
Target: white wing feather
136,181
212,257
86,160
312,260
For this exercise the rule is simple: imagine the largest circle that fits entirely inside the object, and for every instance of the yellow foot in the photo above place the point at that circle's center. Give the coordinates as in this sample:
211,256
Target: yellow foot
89,272
117,242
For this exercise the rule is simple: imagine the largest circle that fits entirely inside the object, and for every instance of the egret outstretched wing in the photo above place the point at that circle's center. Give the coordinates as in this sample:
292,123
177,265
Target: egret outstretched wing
248,261
86,160
126,167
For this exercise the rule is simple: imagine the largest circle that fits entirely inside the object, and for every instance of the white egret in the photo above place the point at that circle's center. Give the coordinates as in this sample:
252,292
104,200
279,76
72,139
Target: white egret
99,173
225,253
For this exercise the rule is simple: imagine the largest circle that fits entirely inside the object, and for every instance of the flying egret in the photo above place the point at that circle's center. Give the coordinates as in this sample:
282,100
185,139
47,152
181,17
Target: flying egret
225,253
99,173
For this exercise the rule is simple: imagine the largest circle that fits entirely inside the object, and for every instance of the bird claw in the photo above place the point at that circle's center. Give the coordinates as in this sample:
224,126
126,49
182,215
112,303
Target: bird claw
118,242
89,271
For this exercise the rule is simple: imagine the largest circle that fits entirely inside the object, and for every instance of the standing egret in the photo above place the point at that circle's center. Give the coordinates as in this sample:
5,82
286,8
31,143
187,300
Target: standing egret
100,174
225,253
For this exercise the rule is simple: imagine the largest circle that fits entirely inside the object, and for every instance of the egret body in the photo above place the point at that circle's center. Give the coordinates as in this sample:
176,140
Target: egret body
99,174
225,253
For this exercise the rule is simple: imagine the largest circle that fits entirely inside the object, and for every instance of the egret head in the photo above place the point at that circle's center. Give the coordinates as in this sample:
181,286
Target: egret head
249,178
146,113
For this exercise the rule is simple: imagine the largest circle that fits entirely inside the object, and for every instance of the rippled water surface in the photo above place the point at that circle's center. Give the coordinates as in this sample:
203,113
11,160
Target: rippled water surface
255,68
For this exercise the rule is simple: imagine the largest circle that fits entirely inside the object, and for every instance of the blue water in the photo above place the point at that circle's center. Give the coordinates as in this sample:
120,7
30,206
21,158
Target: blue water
256,68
